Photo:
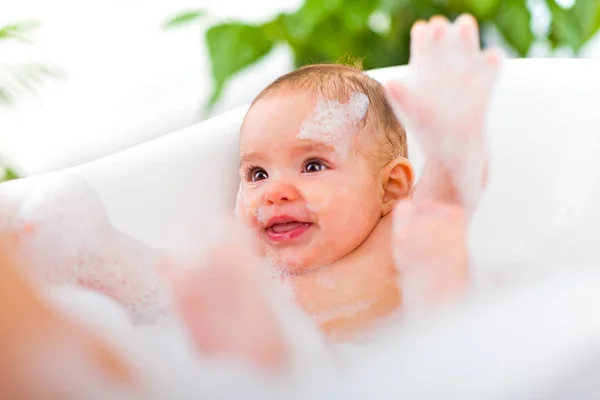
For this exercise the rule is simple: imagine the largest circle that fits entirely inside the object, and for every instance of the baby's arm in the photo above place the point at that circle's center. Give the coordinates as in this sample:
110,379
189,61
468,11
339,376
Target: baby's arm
443,102
437,183
223,303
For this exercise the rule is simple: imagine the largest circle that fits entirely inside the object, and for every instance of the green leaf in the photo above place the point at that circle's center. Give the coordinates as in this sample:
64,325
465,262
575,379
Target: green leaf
513,20
5,95
9,174
183,19
18,31
355,15
328,31
393,6
323,7
232,47
273,30
575,26
300,25
331,42
17,80
482,9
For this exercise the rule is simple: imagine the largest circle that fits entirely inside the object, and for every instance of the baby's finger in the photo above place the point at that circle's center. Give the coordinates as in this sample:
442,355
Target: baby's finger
467,28
438,28
418,41
492,59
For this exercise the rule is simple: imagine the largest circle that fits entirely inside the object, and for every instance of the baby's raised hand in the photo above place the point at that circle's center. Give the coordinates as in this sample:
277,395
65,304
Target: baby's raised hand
443,102
445,95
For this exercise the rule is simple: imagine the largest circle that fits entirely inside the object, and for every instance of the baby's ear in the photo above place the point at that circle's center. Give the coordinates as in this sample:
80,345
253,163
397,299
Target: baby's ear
397,180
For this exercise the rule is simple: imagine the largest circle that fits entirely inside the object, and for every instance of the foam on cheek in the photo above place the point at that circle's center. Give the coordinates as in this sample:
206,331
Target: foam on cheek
335,124
260,215
241,201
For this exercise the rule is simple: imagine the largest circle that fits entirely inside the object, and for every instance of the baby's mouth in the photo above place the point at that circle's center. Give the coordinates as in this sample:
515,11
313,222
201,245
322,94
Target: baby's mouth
284,228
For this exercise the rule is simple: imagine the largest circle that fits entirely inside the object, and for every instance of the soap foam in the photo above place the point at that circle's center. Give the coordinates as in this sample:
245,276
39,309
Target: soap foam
66,238
402,363
242,201
335,124
311,208
260,215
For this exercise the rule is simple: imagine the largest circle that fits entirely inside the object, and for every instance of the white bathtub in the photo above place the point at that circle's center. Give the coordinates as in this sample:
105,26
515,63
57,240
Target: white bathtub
542,207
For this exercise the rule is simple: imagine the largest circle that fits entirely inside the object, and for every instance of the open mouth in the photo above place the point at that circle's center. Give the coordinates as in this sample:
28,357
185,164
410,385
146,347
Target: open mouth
283,228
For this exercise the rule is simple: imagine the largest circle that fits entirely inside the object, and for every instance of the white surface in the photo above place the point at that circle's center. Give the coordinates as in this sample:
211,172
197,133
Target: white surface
540,207
127,79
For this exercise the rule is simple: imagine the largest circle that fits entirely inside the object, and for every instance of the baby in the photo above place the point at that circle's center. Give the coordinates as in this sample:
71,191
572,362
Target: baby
327,189
323,160
324,164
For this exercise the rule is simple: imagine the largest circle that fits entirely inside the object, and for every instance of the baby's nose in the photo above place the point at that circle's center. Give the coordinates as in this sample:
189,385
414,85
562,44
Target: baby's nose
280,191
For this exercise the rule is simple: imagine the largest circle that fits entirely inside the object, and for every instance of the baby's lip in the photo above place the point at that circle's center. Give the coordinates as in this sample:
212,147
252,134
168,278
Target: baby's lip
284,228
282,219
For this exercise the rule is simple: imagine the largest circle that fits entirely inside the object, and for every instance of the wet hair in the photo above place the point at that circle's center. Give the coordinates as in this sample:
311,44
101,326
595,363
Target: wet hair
339,82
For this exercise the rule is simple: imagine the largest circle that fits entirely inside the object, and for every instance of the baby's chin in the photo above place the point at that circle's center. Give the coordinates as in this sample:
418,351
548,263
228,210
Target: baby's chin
294,261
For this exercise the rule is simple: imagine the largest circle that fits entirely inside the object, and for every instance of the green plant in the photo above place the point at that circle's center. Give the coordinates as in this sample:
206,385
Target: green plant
7,174
21,78
378,31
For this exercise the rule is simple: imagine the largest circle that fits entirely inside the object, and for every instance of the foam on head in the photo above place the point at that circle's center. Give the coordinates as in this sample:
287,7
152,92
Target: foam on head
335,124
347,90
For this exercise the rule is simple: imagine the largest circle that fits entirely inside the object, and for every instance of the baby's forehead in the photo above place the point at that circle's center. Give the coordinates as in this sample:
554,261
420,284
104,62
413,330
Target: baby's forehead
304,115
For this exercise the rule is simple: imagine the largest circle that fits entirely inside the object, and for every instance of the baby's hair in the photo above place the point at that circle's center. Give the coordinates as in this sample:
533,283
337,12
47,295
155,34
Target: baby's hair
339,81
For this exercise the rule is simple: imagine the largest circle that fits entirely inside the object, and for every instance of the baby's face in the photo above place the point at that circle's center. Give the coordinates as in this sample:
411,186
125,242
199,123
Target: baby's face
307,189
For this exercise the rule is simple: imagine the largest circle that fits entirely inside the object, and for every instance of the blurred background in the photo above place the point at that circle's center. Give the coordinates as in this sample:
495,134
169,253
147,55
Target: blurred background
81,79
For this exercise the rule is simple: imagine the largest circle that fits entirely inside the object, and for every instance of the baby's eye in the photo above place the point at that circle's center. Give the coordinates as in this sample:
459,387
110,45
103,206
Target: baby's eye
258,174
314,166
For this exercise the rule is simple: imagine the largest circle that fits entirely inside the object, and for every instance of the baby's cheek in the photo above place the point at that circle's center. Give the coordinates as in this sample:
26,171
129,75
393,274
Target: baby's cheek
361,207
249,210
320,199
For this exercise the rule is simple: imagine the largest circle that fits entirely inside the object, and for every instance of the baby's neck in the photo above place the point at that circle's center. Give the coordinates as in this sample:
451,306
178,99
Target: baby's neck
349,296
